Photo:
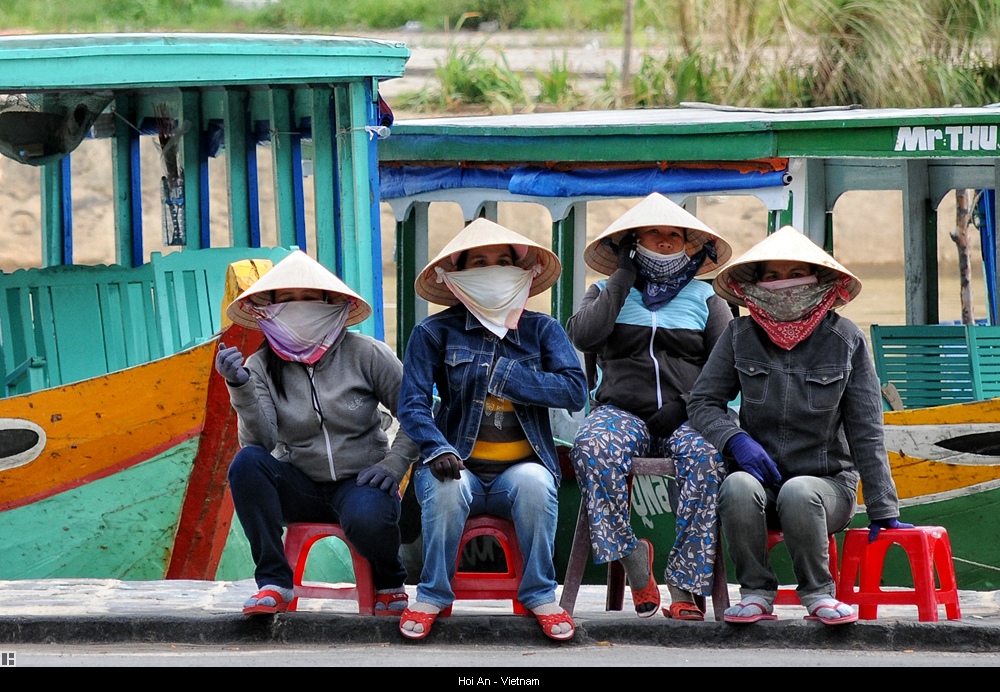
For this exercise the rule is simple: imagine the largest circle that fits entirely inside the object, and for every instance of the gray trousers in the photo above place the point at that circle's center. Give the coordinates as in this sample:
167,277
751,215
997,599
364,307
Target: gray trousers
807,509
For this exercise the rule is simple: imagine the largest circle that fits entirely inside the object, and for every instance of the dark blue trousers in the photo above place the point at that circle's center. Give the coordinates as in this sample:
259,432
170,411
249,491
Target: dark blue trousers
268,494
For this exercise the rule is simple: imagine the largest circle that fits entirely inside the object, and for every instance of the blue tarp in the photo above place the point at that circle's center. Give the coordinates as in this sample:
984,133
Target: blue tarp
396,182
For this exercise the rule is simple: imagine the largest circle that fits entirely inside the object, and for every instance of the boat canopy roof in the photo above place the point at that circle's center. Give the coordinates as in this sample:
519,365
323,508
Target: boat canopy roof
697,133
124,61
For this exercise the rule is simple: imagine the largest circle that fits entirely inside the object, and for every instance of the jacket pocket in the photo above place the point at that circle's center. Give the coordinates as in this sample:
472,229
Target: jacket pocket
824,390
458,362
753,381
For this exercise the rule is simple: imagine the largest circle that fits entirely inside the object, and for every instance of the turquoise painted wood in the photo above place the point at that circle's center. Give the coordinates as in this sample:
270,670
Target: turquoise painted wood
69,323
935,365
64,324
189,288
103,529
117,61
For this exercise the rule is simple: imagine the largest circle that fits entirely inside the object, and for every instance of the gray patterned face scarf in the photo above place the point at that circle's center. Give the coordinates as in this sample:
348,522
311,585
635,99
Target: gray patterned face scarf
666,275
790,299
659,268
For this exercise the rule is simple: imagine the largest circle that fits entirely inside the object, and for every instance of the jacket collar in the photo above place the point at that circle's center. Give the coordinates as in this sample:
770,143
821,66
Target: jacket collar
472,323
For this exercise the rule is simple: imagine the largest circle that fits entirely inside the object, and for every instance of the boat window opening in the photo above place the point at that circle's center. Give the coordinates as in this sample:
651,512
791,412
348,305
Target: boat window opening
93,205
150,175
218,202
21,215
875,257
949,275
390,277
266,196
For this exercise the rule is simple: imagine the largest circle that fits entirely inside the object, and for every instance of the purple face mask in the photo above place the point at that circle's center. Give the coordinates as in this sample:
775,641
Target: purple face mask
302,331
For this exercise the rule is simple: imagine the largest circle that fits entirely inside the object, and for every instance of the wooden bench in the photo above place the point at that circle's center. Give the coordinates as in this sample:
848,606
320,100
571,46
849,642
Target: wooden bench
936,365
68,323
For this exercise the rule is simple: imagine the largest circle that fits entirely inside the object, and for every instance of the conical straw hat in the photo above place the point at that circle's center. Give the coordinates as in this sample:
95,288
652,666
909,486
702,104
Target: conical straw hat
483,233
297,270
786,244
656,210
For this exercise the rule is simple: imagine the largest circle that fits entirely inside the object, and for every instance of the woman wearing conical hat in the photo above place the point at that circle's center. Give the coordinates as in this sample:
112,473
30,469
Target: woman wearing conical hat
651,326
488,449
313,448
810,422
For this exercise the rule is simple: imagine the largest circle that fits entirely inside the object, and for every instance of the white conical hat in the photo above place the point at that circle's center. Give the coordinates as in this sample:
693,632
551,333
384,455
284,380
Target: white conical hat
656,210
786,244
483,233
297,270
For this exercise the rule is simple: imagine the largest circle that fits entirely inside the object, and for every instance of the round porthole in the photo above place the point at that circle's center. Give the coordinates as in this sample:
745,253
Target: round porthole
21,441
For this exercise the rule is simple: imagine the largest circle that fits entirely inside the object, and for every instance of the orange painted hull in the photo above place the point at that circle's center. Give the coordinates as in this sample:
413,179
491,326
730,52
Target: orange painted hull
100,426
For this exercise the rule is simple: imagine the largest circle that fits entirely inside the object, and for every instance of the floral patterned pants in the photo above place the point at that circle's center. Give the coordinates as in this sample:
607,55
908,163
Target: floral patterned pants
602,457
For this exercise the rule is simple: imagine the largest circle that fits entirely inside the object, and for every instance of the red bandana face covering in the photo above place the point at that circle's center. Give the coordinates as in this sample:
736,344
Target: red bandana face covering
789,334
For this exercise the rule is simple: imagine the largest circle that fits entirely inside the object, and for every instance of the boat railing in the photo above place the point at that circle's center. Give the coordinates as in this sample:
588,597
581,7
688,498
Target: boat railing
67,323
936,365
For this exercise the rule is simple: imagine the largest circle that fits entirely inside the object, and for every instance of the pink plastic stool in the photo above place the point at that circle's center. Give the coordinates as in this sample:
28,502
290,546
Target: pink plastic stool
788,596
927,548
491,585
299,539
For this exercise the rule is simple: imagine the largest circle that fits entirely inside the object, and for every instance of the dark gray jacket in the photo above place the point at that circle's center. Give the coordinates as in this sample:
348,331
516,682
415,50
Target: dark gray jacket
647,358
816,409
350,381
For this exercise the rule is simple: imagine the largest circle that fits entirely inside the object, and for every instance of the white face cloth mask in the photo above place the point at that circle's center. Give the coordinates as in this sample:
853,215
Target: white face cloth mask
496,295
302,331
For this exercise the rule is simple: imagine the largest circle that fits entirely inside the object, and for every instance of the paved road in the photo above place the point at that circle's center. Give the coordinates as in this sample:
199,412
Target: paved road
471,662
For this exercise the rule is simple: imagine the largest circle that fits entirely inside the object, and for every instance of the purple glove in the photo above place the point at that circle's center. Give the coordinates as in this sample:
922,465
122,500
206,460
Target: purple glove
879,524
753,459
378,477
229,364
447,467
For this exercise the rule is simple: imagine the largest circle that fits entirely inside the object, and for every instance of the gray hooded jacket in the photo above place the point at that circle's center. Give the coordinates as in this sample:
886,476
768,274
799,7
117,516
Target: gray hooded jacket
329,428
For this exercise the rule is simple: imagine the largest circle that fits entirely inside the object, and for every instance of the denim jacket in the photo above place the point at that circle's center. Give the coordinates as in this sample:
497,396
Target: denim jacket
534,367
815,409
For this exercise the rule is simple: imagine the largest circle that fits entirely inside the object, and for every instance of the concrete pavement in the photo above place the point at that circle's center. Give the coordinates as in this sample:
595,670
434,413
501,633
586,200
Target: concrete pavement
95,611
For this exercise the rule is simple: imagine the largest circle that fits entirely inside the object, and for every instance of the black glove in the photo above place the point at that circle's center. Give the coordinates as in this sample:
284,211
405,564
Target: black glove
626,252
665,421
447,467
378,477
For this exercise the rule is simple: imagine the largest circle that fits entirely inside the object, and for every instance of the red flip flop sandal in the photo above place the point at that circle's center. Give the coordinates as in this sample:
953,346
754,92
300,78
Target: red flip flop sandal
258,608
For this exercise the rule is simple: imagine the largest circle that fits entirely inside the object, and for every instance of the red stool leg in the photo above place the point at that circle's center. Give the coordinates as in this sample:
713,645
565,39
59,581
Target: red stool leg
920,554
299,539
946,573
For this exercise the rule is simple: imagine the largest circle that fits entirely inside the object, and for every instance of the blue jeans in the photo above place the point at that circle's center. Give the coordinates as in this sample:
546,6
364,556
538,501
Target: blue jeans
524,493
806,508
268,494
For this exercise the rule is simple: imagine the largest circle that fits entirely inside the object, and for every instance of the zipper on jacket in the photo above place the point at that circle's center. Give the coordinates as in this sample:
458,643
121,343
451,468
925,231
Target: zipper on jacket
656,364
319,417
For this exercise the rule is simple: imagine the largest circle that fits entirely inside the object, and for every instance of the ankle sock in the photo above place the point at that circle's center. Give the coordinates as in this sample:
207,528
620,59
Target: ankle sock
286,595
636,566
680,595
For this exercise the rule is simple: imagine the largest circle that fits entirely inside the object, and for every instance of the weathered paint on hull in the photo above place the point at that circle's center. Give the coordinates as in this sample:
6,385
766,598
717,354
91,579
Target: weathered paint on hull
101,426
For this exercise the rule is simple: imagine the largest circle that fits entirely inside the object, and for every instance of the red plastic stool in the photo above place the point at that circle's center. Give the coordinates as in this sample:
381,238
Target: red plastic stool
927,548
491,585
788,596
299,539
